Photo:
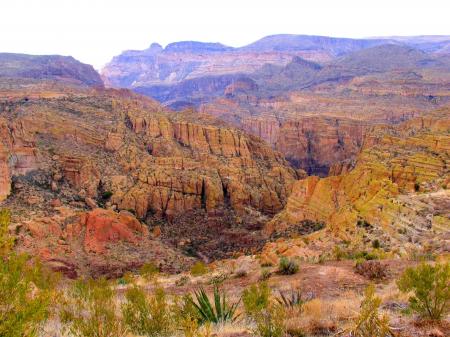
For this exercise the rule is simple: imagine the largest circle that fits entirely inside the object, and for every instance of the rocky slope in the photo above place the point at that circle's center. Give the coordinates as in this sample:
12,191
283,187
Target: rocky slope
397,191
86,148
48,67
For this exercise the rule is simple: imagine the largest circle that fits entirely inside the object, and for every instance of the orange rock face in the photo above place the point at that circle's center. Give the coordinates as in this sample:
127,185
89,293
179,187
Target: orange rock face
102,227
396,162
312,143
148,159
112,149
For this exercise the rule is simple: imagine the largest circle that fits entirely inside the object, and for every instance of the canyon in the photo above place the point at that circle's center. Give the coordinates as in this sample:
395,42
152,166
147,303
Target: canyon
339,140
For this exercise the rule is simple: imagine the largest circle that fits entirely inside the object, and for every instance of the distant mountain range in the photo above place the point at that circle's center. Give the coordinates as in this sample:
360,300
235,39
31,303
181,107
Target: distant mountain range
189,73
48,67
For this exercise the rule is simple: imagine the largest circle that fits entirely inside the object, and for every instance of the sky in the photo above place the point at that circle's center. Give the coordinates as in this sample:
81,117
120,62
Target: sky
93,31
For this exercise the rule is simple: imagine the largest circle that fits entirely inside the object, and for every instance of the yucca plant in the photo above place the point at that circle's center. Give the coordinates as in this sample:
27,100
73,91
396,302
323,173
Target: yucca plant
291,300
219,312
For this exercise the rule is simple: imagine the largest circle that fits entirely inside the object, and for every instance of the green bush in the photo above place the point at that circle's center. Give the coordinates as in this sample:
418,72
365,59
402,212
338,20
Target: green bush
219,312
256,298
26,295
26,288
369,323
430,289
287,266
376,244
6,241
265,274
198,269
107,195
148,271
186,316
270,321
89,309
147,315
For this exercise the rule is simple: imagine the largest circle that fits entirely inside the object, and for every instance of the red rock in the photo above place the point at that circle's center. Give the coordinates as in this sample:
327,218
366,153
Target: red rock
156,232
105,226
55,203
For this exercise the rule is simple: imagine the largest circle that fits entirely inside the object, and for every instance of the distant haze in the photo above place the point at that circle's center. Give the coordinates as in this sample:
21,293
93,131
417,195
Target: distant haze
93,31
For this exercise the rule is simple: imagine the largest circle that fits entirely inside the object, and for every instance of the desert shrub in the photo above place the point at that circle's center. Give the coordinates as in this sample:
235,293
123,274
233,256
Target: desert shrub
287,266
107,195
339,253
219,312
270,321
186,316
240,273
26,295
373,270
256,298
148,271
198,269
182,281
265,274
26,288
89,309
369,323
364,255
290,299
217,280
376,244
316,318
147,315
430,289
6,240
127,278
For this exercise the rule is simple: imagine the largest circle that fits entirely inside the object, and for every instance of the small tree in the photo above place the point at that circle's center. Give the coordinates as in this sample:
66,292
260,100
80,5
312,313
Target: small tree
369,323
430,287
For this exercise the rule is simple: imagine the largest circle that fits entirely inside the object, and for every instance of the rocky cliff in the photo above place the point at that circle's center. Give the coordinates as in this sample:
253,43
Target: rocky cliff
399,185
88,148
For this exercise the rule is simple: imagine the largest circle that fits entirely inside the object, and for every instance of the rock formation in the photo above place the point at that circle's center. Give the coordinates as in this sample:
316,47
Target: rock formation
84,148
398,168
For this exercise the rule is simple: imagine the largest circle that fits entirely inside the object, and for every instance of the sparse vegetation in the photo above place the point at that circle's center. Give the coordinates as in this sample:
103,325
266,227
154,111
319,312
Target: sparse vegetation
429,288
265,274
270,321
148,271
288,266
256,298
292,299
198,269
26,288
147,315
107,195
373,270
89,308
376,244
369,322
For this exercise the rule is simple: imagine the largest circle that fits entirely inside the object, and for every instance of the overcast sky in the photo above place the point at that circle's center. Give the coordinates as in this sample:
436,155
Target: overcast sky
95,30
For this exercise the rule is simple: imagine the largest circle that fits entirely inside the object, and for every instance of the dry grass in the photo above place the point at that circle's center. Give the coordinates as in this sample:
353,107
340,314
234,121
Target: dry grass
321,316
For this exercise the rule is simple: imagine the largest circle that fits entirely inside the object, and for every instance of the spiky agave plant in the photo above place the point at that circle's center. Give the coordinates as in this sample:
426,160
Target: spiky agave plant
219,312
291,300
